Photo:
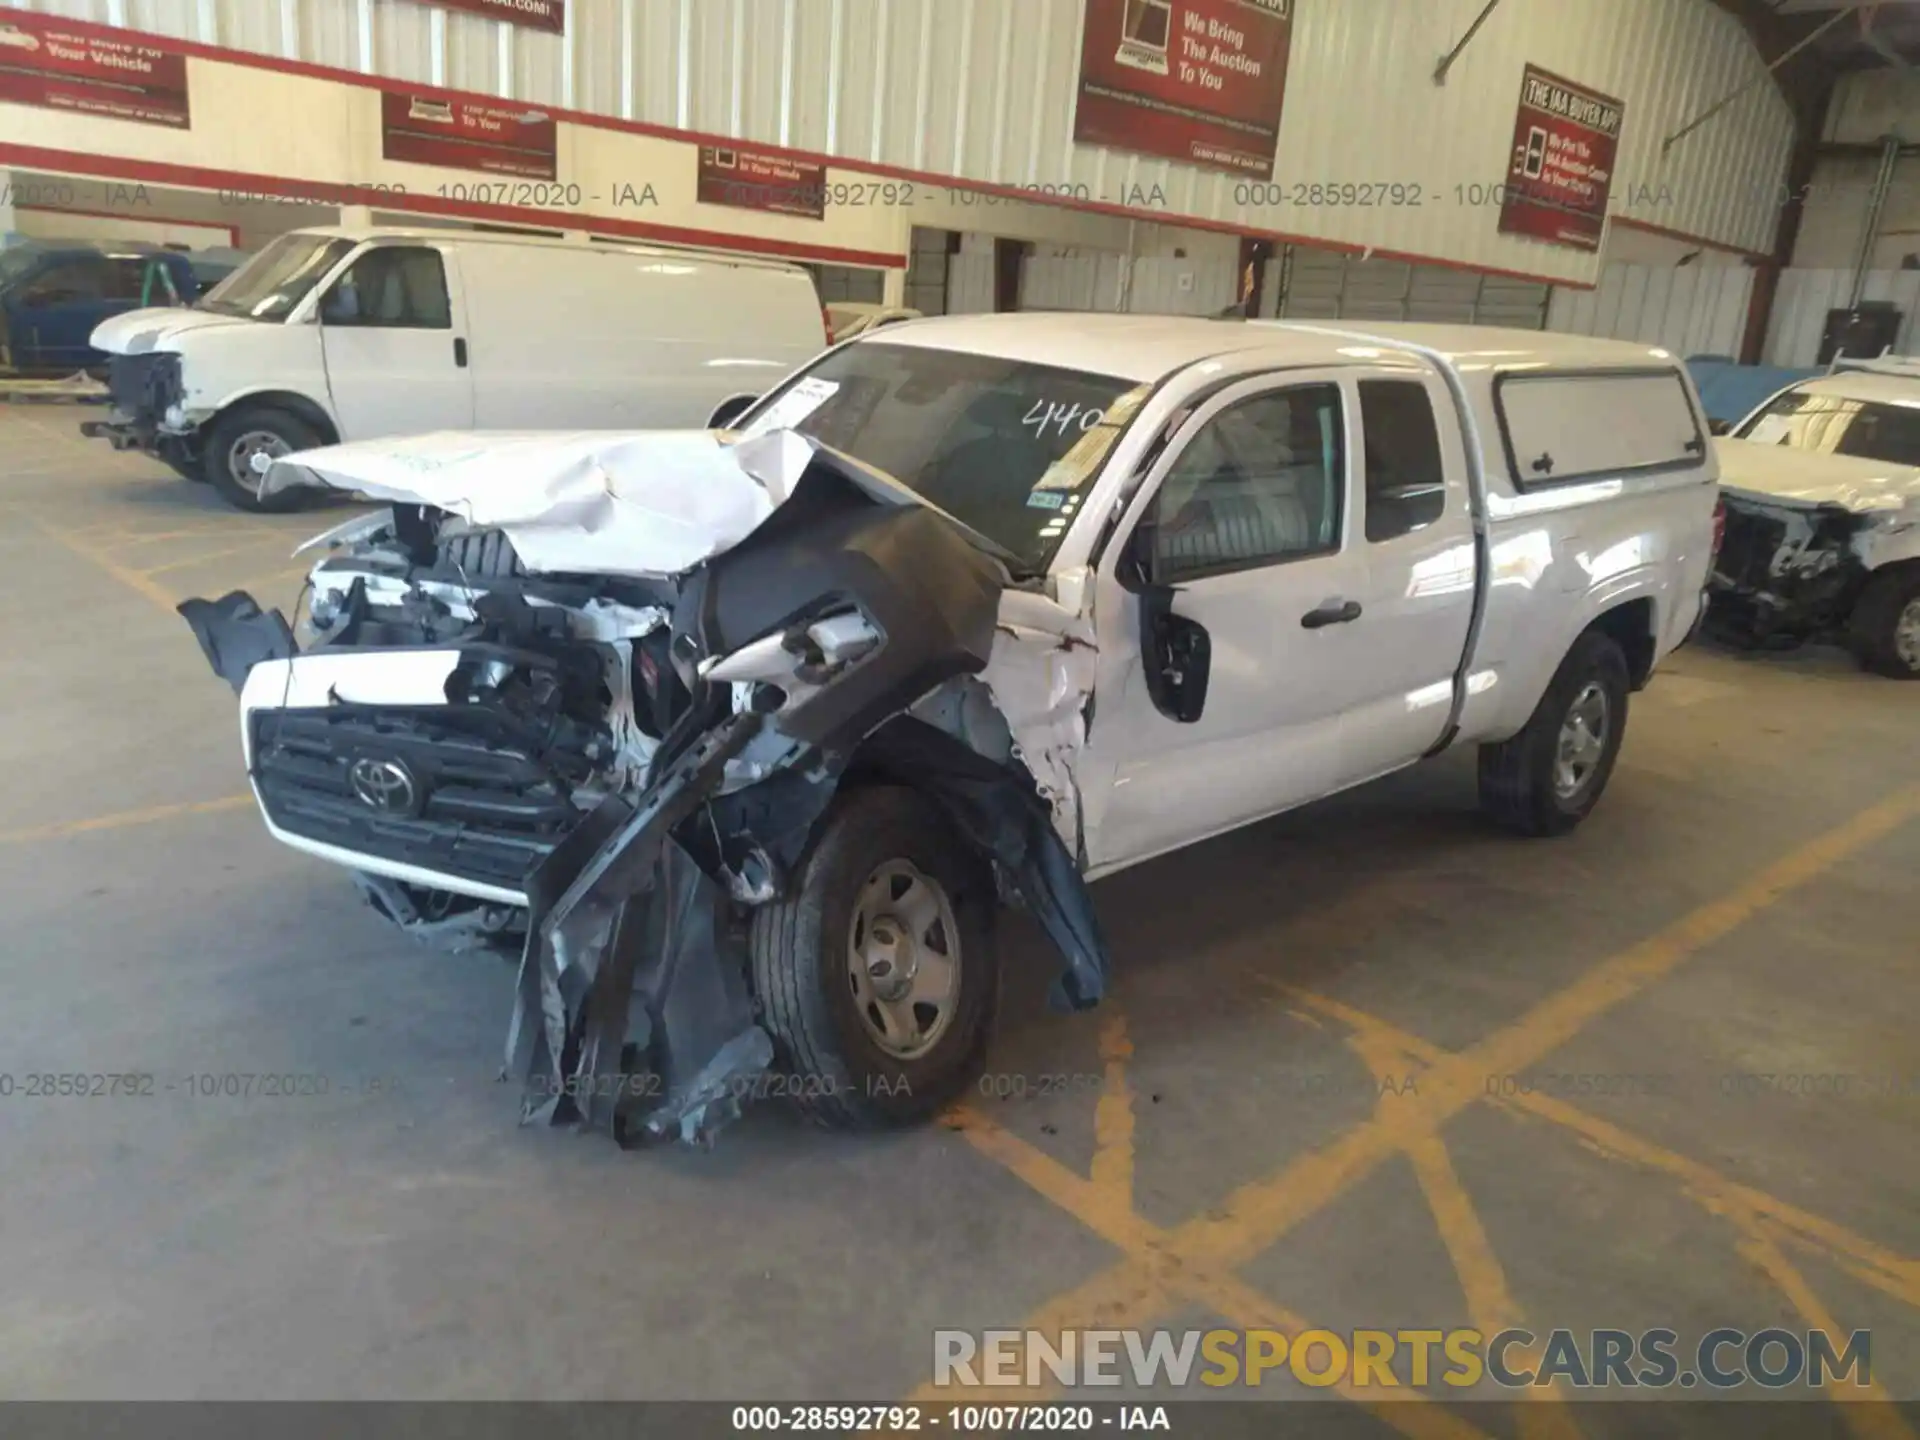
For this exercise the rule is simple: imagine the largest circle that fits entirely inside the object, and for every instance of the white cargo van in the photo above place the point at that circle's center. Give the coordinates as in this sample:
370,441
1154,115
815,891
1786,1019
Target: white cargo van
342,334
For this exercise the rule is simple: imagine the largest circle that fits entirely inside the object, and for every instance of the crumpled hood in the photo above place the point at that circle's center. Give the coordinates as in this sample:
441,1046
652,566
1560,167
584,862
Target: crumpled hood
1807,477
156,328
655,503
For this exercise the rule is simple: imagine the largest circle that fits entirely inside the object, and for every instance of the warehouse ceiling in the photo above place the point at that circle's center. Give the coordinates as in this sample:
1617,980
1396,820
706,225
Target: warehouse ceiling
1873,35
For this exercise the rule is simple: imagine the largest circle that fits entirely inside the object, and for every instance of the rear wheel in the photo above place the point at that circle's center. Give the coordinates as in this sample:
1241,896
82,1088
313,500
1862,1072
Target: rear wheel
876,974
1884,630
242,443
1546,779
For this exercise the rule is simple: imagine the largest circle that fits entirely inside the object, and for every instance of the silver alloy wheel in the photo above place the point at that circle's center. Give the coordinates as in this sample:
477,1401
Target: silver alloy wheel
1583,740
1906,635
241,453
903,959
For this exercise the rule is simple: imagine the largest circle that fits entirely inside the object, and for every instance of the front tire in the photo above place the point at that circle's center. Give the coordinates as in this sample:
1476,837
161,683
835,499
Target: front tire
1546,780
1884,630
239,436
876,973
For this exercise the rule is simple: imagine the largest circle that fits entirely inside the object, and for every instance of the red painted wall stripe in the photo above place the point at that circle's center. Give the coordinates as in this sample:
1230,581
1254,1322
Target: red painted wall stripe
758,246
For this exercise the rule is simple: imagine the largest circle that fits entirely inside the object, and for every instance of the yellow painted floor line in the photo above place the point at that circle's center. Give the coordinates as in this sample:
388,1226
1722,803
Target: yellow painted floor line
245,547
146,589
1885,1270
1113,1115
1140,1288
1760,1247
1169,1280
151,815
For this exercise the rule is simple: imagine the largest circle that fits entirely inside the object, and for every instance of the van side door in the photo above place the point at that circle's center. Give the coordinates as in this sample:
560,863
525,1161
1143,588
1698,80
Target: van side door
1417,542
1225,612
393,332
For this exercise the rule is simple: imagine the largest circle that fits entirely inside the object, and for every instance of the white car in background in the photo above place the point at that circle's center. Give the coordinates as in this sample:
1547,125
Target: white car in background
1822,490
749,730
353,333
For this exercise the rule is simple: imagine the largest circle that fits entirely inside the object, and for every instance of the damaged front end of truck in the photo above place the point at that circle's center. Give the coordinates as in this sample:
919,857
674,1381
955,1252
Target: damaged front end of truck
604,696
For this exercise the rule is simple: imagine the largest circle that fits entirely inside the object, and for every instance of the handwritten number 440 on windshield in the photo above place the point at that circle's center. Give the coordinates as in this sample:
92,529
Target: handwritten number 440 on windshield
1051,413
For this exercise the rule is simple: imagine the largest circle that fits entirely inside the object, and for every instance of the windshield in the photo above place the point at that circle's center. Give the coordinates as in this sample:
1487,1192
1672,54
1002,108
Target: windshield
269,285
1005,447
1835,425
16,260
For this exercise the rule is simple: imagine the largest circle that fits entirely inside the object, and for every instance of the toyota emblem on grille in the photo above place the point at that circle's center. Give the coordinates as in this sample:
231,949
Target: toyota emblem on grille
384,785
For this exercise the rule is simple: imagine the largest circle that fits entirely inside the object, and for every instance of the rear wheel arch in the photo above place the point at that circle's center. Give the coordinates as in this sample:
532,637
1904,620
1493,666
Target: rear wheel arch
1633,625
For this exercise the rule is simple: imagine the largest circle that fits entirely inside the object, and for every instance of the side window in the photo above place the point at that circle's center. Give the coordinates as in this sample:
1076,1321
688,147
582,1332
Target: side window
124,274
1406,481
1261,484
68,282
401,287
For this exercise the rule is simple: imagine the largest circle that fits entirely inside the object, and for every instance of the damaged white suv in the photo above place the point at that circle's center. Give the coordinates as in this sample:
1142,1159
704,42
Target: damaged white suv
749,732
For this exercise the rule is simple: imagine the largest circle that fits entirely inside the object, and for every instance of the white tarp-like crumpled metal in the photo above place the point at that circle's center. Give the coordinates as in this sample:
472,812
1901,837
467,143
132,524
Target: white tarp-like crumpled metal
588,502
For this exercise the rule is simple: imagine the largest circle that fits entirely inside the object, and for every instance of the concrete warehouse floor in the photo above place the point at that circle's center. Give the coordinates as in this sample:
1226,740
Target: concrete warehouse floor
1230,1141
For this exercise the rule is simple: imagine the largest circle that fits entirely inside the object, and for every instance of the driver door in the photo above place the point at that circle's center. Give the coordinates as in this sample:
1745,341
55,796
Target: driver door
394,334
1223,611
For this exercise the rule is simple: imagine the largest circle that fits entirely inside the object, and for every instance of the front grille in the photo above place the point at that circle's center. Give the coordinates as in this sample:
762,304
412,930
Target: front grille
1753,537
145,385
486,808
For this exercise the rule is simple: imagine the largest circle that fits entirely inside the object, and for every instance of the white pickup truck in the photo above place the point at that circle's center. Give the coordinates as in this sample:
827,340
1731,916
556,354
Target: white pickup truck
748,731
1822,491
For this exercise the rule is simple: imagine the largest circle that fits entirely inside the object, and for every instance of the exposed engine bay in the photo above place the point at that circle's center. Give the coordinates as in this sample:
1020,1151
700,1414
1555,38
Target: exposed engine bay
599,715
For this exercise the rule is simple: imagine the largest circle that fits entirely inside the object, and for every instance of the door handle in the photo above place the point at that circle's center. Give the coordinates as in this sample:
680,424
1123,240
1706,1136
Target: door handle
1334,612
460,352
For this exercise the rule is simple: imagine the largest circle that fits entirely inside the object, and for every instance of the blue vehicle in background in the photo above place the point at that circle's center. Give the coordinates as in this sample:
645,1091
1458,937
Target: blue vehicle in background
1730,391
53,293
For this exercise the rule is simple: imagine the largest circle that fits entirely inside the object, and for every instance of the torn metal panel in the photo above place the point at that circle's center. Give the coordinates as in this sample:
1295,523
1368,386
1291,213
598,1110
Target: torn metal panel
1041,675
235,634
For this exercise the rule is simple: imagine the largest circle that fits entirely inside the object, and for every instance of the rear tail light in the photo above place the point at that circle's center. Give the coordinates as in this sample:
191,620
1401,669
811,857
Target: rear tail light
1719,527
826,324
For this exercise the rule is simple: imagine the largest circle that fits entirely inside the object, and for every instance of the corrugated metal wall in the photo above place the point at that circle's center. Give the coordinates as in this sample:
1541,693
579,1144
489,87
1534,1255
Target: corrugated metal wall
1688,309
1805,296
984,89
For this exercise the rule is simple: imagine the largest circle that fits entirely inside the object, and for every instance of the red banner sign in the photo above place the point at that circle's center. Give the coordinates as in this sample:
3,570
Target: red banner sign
750,180
496,138
1195,80
550,15
45,62
1561,169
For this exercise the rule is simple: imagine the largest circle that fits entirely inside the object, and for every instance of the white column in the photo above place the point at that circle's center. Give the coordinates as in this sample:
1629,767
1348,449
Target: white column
356,215
7,229
893,286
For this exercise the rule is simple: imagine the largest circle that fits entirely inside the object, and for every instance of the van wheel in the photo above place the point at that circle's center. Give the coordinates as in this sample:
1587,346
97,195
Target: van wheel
1884,629
1547,778
236,438
876,974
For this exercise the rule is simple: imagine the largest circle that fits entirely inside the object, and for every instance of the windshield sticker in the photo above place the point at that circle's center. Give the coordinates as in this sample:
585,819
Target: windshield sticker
797,404
1046,500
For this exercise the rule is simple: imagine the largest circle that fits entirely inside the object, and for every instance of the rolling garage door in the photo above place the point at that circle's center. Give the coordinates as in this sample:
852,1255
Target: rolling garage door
1324,285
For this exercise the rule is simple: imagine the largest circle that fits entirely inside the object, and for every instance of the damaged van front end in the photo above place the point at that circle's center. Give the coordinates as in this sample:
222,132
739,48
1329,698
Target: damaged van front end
739,740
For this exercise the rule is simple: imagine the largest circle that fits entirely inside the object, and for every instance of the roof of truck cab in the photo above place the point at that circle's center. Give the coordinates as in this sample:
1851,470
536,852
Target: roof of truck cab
1151,347
1888,387
358,233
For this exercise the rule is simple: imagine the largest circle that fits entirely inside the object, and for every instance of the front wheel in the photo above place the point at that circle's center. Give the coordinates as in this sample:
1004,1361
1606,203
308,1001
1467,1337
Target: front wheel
242,443
1545,780
1884,630
876,973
